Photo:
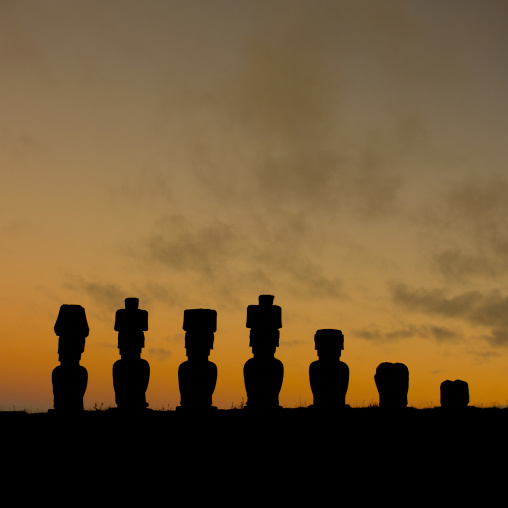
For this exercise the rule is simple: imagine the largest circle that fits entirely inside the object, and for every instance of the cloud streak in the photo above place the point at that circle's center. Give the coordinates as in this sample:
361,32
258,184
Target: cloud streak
471,231
487,309
439,333
104,295
228,256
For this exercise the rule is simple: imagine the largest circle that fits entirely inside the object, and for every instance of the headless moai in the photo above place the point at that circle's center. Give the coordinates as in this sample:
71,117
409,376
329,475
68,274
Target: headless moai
329,377
197,376
263,374
70,379
392,381
454,394
131,373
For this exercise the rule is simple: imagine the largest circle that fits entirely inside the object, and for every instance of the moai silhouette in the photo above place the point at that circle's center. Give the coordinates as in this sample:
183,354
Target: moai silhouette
70,379
392,381
329,377
263,374
197,376
454,394
131,373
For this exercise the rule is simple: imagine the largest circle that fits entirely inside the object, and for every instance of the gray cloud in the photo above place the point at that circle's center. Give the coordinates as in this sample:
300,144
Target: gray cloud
409,332
184,246
458,266
487,309
158,353
109,297
483,357
262,145
438,333
470,230
226,257
105,295
435,301
443,334
497,336
152,293
371,335
286,146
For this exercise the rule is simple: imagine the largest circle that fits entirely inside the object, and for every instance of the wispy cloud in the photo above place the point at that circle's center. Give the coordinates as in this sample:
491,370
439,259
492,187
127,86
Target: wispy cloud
228,256
487,309
470,229
439,333
104,295
158,353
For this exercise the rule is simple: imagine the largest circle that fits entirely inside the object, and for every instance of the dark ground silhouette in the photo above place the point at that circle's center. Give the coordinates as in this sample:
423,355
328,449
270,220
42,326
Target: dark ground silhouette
367,455
454,394
391,453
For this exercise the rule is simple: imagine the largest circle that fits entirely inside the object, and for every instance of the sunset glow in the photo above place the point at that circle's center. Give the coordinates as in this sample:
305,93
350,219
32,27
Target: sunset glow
347,157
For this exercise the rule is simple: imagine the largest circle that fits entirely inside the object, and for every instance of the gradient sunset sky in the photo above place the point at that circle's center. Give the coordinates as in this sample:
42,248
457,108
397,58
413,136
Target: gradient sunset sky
348,157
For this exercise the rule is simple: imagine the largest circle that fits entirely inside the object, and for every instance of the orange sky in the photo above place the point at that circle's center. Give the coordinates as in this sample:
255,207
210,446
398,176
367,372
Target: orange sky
347,157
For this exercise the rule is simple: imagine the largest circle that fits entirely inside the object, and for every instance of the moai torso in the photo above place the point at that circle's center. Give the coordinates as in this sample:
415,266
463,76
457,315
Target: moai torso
131,373
392,382
70,379
263,374
197,376
329,376
454,394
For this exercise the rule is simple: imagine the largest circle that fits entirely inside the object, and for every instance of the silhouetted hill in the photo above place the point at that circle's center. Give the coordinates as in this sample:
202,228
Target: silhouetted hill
290,452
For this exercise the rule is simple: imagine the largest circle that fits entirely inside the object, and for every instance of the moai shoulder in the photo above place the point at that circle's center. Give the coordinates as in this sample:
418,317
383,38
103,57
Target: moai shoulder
197,376
454,394
329,376
392,382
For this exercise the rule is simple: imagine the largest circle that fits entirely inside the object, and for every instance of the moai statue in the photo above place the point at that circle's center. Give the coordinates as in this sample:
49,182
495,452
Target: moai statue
392,381
329,377
131,373
197,376
454,394
263,374
70,378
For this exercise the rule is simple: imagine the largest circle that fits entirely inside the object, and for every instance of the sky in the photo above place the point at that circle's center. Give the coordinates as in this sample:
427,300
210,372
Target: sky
347,157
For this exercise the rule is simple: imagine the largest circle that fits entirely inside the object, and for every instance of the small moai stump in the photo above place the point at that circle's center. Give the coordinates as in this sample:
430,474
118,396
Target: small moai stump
197,376
392,382
131,373
454,394
70,379
329,377
263,374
